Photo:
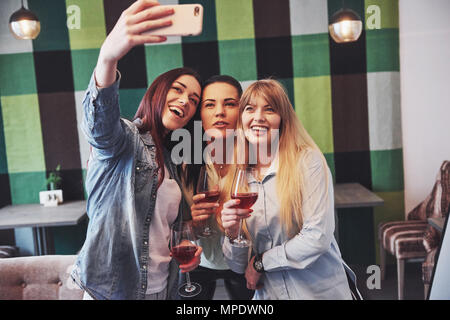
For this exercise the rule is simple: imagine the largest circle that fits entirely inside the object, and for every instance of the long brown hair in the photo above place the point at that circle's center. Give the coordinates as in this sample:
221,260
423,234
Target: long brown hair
151,108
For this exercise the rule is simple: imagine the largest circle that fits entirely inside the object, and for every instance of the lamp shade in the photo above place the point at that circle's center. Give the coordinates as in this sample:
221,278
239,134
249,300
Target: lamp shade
24,24
345,26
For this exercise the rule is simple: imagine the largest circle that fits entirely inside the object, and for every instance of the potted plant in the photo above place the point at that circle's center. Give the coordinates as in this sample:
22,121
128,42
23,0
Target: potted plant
54,179
53,195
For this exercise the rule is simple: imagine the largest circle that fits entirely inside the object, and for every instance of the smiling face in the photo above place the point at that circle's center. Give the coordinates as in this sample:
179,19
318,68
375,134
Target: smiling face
181,102
220,109
259,118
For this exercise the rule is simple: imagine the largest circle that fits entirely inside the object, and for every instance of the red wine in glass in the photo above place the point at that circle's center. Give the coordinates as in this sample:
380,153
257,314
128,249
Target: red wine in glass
247,200
211,192
210,196
184,253
183,250
241,190
204,229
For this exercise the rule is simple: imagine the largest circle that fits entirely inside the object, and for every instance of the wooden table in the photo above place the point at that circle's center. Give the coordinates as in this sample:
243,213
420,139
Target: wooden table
353,195
39,217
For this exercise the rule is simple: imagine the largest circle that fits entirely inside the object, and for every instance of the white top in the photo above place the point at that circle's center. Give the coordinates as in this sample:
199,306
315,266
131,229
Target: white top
168,199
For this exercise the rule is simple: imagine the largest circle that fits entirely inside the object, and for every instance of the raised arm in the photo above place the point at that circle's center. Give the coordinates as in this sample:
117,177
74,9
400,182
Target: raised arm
143,15
101,121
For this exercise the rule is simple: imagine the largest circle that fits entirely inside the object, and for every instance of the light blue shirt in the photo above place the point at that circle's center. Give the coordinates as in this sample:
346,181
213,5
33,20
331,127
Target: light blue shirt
307,266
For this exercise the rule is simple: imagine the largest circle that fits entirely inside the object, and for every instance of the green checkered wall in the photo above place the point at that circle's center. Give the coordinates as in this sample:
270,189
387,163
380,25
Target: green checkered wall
347,95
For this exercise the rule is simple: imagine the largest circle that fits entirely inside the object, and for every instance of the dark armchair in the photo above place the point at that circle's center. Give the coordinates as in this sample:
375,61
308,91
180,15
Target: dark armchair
412,239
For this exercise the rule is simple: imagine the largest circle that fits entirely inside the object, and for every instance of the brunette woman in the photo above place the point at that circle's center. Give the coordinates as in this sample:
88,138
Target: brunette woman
134,194
219,113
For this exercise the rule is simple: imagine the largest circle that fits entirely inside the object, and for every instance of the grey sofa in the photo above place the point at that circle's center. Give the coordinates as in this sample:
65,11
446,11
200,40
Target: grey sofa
38,278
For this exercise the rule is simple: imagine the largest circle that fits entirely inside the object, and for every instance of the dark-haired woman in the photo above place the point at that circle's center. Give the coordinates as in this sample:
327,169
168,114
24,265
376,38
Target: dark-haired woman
219,113
134,193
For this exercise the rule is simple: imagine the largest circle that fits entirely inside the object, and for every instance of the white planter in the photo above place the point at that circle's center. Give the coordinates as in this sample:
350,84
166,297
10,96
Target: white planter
51,198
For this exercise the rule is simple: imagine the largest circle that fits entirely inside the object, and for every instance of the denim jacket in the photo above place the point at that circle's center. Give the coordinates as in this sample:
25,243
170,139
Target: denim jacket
121,185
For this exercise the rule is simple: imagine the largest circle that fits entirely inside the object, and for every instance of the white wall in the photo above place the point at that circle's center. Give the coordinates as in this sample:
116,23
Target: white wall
425,93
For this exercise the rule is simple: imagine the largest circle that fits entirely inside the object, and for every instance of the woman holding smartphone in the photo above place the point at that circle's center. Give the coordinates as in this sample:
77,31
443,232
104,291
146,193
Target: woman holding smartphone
291,224
134,194
219,113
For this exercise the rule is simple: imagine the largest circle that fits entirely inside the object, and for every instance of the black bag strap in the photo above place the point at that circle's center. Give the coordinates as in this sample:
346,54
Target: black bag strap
356,295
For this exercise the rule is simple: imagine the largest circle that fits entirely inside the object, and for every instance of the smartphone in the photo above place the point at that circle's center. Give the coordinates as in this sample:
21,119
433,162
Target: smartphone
187,21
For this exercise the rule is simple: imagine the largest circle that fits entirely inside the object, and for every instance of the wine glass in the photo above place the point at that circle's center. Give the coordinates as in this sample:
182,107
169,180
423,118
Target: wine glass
211,192
183,249
241,190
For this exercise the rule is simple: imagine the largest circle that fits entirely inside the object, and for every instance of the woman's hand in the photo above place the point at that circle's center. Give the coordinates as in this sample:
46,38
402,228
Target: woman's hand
141,16
252,276
201,211
231,216
194,263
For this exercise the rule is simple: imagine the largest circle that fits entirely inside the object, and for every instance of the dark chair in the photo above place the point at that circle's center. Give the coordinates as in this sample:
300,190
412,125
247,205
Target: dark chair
405,239
9,251
431,242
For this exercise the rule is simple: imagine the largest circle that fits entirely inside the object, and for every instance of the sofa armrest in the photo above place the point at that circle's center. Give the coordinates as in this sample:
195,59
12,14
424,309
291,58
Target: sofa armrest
38,278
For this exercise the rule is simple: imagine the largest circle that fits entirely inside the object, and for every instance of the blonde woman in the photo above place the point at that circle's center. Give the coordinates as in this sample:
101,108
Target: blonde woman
291,224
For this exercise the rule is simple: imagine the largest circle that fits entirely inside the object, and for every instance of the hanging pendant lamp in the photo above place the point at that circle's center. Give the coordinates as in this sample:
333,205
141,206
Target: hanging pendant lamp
345,26
24,24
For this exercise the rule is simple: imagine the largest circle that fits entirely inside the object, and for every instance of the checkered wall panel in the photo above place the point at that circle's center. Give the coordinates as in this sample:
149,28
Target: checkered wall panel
347,95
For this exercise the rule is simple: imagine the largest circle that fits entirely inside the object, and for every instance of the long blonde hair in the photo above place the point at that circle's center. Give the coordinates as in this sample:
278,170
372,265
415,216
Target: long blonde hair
294,142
